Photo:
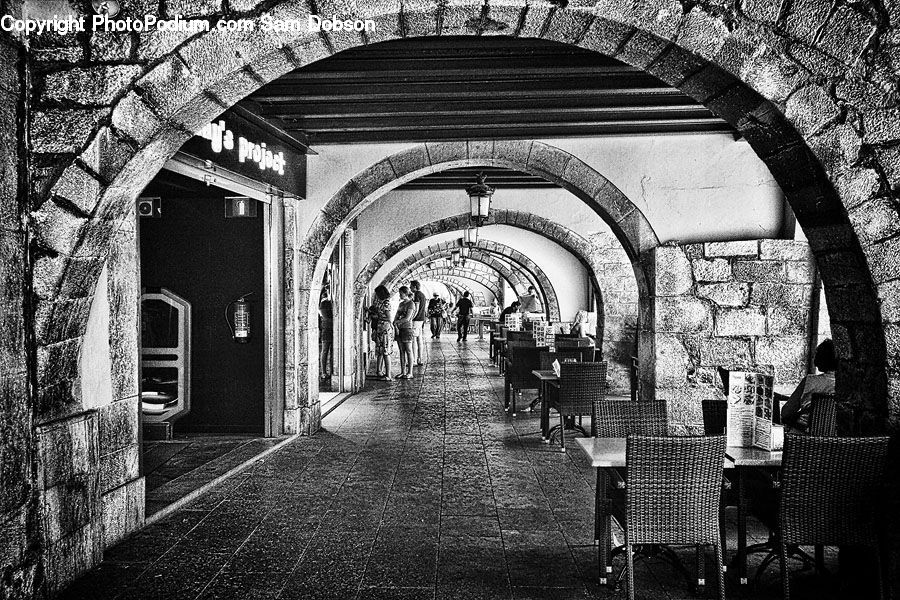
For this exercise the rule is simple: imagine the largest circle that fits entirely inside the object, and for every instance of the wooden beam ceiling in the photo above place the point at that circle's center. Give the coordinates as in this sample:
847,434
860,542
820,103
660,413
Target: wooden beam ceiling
451,88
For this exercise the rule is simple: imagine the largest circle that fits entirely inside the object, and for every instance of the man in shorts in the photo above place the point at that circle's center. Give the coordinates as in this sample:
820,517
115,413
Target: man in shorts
419,322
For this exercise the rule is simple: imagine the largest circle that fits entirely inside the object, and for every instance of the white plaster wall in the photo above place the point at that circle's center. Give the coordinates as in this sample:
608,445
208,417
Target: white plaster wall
691,187
565,272
400,211
94,367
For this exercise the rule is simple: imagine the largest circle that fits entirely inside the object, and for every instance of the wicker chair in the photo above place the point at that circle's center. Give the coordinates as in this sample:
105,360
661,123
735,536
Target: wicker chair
672,496
621,418
829,487
578,342
521,361
581,386
512,337
547,358
715,417
519,336
823,416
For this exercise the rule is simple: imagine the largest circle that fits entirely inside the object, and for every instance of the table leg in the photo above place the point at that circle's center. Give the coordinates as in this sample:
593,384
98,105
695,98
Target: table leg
480,330
602,527
545,411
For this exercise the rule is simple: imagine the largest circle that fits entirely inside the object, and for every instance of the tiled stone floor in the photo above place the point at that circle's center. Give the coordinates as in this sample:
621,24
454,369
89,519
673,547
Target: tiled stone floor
416,489
174,469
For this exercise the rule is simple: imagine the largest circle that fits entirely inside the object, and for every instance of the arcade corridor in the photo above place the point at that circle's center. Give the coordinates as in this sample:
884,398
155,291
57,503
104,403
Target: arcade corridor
419,489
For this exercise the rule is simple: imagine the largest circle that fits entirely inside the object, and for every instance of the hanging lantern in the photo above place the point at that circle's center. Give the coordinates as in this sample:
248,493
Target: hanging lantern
470,236
480,200
455,257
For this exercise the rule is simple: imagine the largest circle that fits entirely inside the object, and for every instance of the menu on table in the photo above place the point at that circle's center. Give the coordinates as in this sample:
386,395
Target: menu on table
750,397
545,335
514,321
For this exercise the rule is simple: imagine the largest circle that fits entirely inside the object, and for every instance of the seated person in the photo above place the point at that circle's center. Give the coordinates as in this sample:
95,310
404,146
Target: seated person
795,413
509,310
580,326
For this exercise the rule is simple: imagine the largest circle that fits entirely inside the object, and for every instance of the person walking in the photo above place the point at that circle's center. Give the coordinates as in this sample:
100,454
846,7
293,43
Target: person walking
463,311
419,323
382,331
326,334
436,315
403,327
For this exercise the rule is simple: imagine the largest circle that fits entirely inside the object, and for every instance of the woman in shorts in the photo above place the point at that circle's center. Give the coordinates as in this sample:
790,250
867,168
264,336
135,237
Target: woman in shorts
403,327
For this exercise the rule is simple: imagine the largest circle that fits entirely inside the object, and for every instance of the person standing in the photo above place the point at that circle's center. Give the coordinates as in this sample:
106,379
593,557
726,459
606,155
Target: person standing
326,333
436,315
403,326
463,310
419,322
382,331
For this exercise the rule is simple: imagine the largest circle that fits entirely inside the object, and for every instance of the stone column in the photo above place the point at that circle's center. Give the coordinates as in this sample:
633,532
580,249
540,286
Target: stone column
347,347
121,484
18,560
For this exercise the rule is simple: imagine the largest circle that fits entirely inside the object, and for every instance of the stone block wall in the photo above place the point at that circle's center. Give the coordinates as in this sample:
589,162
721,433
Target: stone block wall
18,558
90,490
735,305
121,484
619,318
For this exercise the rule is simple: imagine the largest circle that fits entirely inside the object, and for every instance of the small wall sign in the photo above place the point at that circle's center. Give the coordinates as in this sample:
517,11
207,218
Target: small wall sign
237,207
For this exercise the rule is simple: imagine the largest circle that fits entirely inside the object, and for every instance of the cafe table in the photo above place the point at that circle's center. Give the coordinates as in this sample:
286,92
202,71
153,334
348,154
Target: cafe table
480,321
746,459
545,380
608,453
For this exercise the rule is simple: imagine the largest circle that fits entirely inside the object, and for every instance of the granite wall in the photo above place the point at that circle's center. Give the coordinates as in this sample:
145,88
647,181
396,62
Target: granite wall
619,305
90,490
18,523
736,305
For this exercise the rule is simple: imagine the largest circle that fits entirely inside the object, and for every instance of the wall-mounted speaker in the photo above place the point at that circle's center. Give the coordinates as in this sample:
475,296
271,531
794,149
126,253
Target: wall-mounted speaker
149,208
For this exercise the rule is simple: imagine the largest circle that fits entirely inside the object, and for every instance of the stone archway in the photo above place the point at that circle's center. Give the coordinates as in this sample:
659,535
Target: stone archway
486,252
579,247
409,269
459,275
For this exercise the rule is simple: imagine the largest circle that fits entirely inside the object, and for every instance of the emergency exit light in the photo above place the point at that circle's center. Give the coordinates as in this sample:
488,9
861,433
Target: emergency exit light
237,207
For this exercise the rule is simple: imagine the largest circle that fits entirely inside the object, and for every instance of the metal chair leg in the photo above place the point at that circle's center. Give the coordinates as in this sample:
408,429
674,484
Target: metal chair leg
629,565
701,566
785,575
720,571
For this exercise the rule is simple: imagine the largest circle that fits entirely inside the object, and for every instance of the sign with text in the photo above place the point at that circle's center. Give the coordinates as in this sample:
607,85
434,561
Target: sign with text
236,144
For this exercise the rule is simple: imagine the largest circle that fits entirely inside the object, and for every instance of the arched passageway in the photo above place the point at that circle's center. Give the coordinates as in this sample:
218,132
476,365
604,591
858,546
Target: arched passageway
817,122
487,253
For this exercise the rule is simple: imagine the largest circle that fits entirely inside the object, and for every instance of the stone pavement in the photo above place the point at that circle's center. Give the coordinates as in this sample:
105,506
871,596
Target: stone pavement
415,489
